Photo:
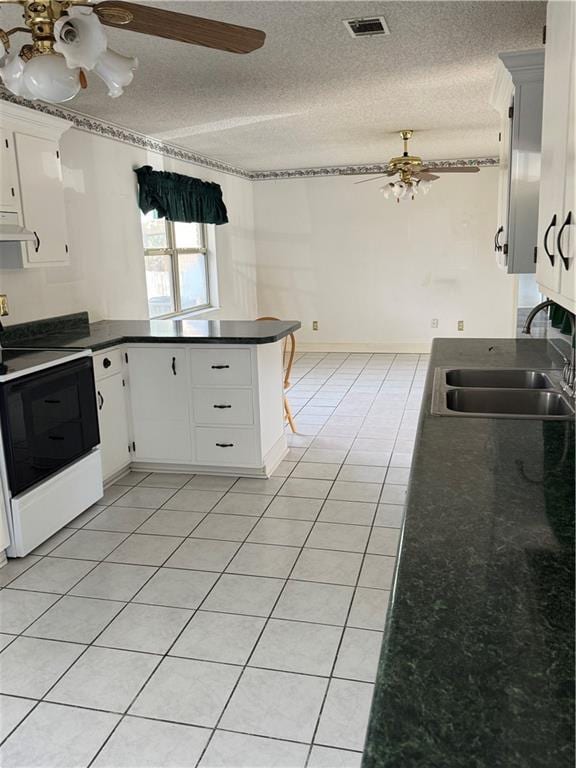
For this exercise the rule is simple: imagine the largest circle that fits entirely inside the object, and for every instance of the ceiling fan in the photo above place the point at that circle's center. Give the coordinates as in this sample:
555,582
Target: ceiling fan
415,176
68,40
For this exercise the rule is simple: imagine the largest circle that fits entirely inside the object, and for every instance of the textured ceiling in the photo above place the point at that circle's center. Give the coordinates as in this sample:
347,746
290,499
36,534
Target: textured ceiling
313,95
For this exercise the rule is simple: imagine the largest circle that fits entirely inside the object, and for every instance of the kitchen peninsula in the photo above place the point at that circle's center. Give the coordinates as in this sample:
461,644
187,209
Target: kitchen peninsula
181,395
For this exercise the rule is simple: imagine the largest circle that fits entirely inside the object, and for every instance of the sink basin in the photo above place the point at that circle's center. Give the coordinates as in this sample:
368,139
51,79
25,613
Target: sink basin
501,379
506,402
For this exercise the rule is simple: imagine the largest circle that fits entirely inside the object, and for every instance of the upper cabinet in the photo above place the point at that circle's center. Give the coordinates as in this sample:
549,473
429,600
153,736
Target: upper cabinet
555,271
32,184
517,95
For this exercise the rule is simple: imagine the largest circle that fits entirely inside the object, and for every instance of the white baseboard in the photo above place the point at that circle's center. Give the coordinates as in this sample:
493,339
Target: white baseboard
371,347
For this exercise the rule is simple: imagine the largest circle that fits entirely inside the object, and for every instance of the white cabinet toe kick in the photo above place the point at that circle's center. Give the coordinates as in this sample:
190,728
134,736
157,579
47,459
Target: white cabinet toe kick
214,409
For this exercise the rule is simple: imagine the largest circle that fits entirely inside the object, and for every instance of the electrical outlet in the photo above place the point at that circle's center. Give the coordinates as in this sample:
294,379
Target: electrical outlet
314,325
460,325
434,323
3,305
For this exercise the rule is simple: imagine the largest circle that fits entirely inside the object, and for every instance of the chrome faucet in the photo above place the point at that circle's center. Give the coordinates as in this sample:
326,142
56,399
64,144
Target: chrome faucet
568,382
533,312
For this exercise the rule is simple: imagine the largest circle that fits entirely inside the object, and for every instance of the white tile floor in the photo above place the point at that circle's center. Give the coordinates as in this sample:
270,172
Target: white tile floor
216,622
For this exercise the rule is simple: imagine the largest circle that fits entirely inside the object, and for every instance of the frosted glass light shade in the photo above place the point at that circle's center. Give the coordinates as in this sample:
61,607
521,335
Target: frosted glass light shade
425,186
116,70
12,74
48,77
387,190
80,38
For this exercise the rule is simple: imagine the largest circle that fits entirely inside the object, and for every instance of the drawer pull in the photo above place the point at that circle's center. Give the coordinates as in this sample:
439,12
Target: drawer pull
55,437
222,406
53,402
225,445
220,367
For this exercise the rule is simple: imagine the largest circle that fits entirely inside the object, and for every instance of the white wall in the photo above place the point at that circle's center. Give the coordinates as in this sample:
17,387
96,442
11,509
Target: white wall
106,273
374,272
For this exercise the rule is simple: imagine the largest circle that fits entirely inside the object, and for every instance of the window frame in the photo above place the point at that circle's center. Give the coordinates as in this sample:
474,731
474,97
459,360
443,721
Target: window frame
174,253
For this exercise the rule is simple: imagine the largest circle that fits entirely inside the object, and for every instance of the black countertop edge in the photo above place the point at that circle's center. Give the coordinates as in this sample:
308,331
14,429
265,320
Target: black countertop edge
477,661
73,332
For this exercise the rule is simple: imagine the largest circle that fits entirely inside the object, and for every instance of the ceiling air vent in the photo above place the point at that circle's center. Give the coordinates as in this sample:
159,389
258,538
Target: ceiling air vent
370,25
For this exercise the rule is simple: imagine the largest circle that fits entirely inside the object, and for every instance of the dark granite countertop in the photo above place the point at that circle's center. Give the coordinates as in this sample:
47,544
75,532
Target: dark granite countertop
75,332
477,662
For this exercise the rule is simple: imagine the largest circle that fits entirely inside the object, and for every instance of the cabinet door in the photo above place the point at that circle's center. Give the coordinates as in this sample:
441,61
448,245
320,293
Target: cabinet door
504,174
42,195
566,241
8,174
159,396
554,141
113,420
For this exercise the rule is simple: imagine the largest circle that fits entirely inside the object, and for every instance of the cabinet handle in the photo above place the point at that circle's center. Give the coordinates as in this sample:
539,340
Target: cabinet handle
174,366
220,367
225,445
106,362
565,259
100,401
55,437
550,255
497,246
222,406
52,402
37,243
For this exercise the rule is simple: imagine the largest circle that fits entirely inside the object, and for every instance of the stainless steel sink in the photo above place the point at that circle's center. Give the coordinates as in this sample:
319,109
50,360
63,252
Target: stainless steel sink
508,402
499,379
500,393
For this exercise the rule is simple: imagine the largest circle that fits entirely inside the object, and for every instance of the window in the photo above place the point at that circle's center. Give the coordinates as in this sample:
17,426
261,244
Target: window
176,257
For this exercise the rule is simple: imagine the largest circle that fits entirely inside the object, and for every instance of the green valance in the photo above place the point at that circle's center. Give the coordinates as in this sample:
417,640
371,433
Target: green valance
180,198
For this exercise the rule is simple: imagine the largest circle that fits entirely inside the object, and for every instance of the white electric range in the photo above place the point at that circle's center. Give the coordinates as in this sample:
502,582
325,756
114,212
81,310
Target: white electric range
50,465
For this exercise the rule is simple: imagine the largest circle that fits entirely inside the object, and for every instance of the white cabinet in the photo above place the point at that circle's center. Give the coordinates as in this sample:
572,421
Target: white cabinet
32,184
159,396
213,409
555,267
8,173
42,195
517,96
112,413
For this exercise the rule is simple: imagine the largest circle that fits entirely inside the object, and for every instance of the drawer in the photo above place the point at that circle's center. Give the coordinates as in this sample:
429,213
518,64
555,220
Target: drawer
107,363
228,446
226,368
223,406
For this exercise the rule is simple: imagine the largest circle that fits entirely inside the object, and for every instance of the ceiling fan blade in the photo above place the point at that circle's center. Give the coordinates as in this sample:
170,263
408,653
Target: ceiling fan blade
179,26
372,178
454,169
425,176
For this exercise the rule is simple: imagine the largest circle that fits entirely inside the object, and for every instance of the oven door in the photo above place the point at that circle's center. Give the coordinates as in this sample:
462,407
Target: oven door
49,419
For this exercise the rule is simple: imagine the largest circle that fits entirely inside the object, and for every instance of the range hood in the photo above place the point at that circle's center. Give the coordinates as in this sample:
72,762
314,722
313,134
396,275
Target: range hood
11,231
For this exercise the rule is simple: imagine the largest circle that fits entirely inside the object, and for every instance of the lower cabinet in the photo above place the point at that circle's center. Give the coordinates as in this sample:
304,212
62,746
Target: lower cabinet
211,407
112,412
159,392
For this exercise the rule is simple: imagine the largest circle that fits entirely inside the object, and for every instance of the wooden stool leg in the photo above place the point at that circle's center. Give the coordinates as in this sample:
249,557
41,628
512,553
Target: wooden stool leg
288,413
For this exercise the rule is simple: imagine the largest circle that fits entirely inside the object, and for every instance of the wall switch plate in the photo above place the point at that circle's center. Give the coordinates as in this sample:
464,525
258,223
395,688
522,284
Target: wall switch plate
434,323
460,325
314,325
3,305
